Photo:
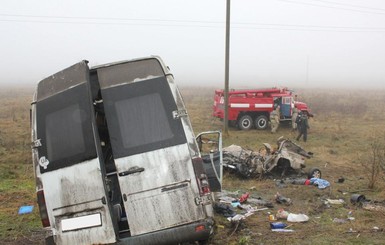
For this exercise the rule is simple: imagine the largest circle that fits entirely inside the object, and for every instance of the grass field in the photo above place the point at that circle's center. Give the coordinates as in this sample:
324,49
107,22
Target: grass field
344,126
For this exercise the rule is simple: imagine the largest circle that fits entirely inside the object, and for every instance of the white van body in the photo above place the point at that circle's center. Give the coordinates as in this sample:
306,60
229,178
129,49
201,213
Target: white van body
115,157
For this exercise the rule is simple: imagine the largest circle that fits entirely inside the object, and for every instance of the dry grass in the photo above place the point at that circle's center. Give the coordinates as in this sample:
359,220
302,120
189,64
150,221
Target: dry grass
339,134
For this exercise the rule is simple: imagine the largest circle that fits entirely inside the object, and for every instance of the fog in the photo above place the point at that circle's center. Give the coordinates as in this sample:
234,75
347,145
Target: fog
293,43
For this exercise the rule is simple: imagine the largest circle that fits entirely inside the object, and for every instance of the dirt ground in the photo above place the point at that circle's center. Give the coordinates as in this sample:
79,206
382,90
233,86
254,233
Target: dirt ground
337,137
309,200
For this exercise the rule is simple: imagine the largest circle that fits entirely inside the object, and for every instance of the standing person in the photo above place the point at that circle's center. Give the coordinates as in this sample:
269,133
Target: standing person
274,119
303,126
298,121
294,118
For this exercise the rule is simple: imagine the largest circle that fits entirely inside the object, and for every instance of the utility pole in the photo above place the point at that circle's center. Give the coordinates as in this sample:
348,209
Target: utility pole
307,70
227,55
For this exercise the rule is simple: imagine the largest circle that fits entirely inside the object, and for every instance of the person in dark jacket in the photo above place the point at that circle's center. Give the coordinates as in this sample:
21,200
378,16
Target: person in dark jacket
303,126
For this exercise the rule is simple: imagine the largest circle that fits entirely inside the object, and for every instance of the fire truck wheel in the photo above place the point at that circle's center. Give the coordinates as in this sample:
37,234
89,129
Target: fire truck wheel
261,122
245,122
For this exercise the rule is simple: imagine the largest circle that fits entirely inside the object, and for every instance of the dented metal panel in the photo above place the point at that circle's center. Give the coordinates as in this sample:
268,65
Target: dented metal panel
71,192
150,170
62,80
128,72
249,163
193,146
152,147
163,194
68,169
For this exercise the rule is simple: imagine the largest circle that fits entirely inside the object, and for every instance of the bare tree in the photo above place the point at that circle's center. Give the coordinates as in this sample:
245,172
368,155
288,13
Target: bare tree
373,160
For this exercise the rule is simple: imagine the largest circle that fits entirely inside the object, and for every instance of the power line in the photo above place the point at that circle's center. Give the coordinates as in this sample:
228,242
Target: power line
331,7
109,18
104,23
350,5
191,23
221,23
314,30
314,26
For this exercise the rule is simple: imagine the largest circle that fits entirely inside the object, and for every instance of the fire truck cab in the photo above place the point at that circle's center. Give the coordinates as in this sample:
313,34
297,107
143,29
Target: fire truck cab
251,108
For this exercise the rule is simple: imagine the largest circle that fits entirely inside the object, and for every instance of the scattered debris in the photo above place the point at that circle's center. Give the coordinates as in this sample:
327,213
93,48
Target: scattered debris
272,217
340,221
282,230
377,229
357,199
291,217
280,184
282,214
244,197
224,209
277,225
375,206
249,209
282,200
226,204
361,201
321,183
335,201
343,192
350,215
247,163
25,209
236,218
260,202
297,218
351,231
301,181
235,204
341,180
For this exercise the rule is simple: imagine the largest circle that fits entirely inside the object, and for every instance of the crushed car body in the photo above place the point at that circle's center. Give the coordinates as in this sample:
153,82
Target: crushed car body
287,156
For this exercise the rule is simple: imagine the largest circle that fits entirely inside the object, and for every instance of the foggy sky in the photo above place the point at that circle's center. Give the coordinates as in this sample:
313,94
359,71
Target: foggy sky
294,43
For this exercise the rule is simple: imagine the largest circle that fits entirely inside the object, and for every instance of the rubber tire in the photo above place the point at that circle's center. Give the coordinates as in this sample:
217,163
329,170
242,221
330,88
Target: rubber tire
245,122
261,122
357,199
314,173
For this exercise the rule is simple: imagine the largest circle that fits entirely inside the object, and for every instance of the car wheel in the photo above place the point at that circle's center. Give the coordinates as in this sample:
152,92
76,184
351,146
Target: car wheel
245,122
314,173
261,122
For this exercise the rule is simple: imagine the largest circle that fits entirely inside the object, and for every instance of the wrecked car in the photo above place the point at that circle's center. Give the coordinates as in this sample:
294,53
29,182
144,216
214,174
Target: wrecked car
286,157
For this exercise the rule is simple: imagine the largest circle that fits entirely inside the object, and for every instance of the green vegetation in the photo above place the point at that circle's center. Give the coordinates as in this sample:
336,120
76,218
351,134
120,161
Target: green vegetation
341,132
17,186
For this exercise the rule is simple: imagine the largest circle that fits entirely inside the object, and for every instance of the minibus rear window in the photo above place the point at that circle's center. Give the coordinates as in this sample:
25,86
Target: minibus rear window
143,118
64,127
140,117
64,133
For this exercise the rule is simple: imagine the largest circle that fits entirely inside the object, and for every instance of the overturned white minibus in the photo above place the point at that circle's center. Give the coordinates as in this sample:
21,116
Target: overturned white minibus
115,157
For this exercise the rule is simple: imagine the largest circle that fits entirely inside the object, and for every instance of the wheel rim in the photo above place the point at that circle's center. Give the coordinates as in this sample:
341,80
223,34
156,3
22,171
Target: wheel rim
316,174
261,123
246,123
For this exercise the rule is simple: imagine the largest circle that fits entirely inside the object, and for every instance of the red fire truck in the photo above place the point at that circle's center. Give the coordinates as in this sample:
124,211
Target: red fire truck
251,108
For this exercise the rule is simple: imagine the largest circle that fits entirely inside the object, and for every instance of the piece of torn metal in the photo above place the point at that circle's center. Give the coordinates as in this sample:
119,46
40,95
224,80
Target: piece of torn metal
247,163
